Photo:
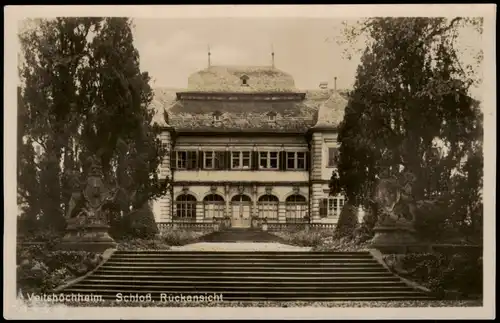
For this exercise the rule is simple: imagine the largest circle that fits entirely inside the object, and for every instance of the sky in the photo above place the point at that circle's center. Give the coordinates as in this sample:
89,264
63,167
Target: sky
171,49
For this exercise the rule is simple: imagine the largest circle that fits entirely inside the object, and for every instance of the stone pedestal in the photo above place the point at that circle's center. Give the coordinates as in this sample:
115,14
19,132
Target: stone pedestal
393,236
87,235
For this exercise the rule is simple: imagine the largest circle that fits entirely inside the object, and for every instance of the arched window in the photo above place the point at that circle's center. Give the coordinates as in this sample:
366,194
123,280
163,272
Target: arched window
296,208
241,198
214,206
268,207
185,208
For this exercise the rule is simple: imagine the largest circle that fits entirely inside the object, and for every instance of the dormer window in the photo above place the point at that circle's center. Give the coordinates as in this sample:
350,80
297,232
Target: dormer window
271,117
217,116
244,80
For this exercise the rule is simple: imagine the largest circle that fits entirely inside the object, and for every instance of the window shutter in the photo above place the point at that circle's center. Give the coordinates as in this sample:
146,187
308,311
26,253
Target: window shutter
323,208
173,163
282,160
255,160
308,160
200,160
227,159
220,160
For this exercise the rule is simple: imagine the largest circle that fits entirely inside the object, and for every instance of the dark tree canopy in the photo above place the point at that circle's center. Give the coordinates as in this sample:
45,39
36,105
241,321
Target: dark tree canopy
83,94
411,110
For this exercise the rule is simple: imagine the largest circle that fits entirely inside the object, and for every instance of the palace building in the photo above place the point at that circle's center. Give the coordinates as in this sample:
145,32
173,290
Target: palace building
246,145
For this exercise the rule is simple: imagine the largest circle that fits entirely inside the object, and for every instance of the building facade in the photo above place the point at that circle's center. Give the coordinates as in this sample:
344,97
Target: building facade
245,145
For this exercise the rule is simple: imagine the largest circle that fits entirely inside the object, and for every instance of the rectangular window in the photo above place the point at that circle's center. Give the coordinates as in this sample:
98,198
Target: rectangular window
186,159
245,159
332,154
240,160
335,205
209,160
268,159
235,159
181,160
296,160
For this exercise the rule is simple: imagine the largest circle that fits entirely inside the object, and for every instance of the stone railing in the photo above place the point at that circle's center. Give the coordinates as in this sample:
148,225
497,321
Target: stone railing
221,223
297,226
195,226
323,225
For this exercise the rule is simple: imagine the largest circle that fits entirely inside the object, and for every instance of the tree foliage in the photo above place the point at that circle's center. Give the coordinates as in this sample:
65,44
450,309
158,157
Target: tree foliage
83,94
411,109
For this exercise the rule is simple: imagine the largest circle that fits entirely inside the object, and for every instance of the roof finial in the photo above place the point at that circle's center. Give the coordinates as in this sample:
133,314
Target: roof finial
209,63
272,54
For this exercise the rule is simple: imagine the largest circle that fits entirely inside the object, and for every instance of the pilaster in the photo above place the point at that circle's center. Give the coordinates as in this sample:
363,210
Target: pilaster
199,212
317,194
282,212
166,171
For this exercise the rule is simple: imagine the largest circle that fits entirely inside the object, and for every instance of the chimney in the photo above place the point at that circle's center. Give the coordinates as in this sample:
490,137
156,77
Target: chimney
209,62
272,55
335,83
323,85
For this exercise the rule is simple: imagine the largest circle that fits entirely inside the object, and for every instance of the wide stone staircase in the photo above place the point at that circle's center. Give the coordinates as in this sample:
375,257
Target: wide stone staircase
247,276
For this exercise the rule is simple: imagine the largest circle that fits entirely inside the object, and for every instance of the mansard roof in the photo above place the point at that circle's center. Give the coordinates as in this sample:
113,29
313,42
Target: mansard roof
295,112
241,79
331,112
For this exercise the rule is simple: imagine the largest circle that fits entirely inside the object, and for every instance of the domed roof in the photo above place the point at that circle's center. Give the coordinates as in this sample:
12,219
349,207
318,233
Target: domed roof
331,112
241,79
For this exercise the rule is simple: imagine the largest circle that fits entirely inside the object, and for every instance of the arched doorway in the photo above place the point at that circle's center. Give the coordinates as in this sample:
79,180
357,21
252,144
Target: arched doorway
268,207
296,208
185,208
241,208
214,206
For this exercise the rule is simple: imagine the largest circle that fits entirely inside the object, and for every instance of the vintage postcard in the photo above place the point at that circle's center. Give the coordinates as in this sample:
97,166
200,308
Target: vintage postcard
201,162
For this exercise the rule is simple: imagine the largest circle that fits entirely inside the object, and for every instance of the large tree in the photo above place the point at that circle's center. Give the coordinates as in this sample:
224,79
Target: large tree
82,94
411,109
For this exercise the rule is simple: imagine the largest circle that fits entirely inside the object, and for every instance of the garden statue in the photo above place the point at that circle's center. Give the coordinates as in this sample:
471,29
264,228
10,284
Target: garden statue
395,224
87,218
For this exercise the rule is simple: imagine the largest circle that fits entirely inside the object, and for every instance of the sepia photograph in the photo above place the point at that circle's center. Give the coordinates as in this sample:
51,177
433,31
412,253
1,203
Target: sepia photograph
280,161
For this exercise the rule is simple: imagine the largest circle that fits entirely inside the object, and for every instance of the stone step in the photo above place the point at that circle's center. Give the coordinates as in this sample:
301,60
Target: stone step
223,267
234,259
261,294
363,276
242,283
257,276
243,253
139,277
296,298
241,289
245,269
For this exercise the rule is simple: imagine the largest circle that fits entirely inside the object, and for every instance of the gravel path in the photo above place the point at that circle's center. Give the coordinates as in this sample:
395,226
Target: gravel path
239,246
